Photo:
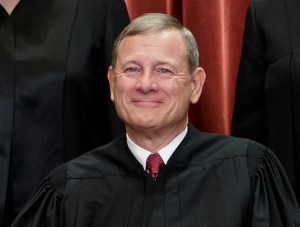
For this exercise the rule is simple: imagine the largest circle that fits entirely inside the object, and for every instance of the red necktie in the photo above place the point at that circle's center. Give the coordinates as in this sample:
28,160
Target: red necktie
153,164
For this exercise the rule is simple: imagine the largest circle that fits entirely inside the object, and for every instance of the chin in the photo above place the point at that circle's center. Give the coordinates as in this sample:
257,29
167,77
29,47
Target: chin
145,123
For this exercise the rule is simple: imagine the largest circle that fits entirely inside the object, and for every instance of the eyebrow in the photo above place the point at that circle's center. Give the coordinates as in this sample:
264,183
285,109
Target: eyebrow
156,63
130,62
170,63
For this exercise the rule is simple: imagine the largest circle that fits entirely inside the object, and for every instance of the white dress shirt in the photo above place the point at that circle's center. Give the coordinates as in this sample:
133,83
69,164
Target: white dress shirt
141,154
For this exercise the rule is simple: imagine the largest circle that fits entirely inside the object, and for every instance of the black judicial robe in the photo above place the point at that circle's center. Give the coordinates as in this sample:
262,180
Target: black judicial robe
267,105
210,181
54,93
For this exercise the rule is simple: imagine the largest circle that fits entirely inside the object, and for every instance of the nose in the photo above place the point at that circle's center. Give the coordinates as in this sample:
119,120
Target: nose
147,82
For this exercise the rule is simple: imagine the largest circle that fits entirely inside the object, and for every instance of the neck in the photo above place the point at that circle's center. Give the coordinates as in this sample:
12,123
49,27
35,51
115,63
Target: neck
9,5
154,140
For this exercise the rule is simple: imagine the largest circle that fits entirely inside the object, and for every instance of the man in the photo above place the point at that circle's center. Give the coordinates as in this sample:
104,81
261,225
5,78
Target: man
267,106
197,179
54,56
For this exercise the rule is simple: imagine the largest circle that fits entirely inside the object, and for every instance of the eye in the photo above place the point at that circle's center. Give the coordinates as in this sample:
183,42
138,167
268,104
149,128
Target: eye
164,72
132,70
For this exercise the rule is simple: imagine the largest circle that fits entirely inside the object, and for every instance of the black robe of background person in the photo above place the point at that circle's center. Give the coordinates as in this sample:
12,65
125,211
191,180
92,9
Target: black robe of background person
54,94
267,106
210,181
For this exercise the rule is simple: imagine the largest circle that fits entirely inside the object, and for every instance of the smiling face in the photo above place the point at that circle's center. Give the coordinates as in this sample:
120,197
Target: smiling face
151,84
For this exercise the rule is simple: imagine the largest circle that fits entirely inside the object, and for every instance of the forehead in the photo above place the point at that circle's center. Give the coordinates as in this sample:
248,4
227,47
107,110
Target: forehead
166,43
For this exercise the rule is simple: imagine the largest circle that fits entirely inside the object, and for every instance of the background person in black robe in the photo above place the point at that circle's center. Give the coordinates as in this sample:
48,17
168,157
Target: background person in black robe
267,105
207,180
54,56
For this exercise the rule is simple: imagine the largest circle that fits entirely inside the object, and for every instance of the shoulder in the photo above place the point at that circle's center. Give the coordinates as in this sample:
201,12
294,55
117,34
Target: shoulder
56,179
206,147
214,143
90,12
267,4
104,6
266,11
110,159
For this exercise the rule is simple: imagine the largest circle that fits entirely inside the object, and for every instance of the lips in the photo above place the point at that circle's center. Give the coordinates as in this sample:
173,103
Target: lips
146,102
146,98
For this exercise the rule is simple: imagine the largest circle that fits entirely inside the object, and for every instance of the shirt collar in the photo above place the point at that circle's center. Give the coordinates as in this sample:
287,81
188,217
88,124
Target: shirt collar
141,154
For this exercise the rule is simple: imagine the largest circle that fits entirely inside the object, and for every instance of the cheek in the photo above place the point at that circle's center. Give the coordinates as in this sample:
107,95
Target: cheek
122,90
183,102
182,92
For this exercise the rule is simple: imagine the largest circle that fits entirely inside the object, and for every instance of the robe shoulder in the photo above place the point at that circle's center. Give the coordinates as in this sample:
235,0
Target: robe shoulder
255,190
199,148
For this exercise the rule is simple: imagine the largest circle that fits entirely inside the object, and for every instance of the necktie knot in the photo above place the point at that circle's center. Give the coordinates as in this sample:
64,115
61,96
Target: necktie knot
153,164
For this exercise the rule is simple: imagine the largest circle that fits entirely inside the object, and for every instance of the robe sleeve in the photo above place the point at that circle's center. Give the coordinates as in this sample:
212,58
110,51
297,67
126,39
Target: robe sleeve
116,19
274,201
248,119
44,207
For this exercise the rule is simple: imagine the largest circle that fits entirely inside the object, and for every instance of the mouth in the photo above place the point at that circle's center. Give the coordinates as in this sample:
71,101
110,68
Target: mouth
147,103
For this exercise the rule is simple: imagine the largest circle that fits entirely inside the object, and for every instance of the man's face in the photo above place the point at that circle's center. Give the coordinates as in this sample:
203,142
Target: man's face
151,85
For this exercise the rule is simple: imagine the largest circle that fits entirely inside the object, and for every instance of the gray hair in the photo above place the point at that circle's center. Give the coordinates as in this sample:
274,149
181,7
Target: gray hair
157,22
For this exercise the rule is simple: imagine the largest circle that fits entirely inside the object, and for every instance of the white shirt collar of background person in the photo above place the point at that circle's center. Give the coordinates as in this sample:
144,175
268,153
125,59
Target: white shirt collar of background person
141,154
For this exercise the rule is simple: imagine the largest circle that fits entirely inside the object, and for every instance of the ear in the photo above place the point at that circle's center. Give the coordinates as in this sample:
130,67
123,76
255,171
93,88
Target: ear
110,76
198,80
